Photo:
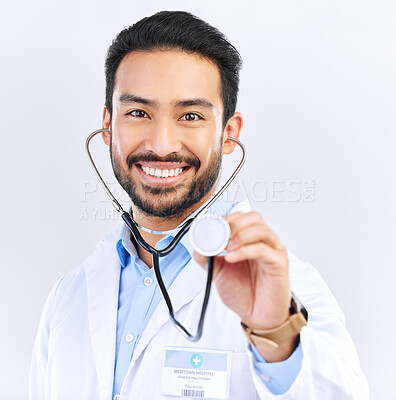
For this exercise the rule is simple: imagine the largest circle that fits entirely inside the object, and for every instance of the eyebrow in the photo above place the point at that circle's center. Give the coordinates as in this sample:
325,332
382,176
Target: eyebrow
195,102
131,98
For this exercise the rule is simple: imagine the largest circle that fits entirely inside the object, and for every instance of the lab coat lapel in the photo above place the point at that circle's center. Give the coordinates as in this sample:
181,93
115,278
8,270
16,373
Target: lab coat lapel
190,282
103,271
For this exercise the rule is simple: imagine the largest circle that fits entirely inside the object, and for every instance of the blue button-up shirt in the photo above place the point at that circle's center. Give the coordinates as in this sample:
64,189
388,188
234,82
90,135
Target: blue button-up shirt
139,296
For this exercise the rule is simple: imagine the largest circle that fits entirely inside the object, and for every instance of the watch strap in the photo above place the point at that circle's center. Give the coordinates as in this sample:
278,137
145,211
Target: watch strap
269,340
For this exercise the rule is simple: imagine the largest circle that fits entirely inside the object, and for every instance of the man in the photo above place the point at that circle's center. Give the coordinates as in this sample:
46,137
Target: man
171,92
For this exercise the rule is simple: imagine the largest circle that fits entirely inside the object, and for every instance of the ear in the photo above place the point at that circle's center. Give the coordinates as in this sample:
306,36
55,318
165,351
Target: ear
106,136
232,129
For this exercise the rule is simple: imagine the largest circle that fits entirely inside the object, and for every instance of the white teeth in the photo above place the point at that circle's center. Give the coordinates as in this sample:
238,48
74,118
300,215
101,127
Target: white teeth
162,173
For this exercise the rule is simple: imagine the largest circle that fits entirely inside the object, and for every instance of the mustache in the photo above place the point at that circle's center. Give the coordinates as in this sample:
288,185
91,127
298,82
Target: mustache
152,157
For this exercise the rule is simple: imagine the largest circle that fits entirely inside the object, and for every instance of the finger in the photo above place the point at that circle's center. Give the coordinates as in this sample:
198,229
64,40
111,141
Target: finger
253,234
256,251
203,262
230,217
243,219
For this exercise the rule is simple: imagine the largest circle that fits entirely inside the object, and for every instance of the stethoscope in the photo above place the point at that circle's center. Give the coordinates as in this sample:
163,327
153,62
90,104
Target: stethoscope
198,224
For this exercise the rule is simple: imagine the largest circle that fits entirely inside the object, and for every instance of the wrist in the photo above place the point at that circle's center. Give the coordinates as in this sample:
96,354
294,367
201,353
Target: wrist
283,352
278,343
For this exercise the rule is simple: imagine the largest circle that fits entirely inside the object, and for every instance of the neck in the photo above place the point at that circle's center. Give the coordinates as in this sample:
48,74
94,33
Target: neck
160,224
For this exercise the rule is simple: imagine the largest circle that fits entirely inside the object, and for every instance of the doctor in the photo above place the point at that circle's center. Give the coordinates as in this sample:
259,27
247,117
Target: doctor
171,93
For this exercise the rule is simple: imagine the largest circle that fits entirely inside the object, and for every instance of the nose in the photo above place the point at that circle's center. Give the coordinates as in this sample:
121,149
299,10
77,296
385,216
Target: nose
163,138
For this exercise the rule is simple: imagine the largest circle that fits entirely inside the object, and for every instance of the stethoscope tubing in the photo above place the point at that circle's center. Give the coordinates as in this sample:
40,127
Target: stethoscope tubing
183,229
156,254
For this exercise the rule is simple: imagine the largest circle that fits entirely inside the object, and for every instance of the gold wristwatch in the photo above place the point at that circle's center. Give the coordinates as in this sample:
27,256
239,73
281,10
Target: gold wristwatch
269,340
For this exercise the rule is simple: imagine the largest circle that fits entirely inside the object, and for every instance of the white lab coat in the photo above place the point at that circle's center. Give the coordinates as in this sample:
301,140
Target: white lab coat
74,352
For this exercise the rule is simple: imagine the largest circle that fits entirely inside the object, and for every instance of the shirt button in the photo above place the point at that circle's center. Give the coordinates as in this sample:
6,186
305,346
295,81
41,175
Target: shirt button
129,337
265,378
148,281
117,397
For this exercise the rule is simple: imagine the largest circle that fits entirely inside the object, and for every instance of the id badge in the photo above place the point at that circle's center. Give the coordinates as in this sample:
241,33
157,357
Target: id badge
199,373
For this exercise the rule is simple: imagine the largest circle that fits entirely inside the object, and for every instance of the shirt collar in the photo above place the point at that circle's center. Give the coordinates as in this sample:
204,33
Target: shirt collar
126,248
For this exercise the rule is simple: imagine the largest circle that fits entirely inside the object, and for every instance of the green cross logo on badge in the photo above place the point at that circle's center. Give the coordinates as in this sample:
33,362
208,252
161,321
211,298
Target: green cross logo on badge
196,360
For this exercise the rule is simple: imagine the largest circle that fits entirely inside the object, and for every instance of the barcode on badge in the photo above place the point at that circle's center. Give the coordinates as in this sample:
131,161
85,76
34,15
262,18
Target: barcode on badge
193,393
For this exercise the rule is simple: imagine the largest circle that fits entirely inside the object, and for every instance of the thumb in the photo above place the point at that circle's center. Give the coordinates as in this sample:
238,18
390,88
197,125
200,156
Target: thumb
200,259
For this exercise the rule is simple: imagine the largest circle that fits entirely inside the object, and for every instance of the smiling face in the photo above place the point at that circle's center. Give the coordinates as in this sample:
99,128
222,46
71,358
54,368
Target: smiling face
167,136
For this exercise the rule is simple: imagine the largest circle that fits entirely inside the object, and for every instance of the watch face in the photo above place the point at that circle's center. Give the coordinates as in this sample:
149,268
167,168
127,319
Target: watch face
297,306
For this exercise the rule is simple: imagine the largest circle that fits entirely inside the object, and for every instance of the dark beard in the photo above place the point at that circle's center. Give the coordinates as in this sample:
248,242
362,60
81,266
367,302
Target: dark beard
196,190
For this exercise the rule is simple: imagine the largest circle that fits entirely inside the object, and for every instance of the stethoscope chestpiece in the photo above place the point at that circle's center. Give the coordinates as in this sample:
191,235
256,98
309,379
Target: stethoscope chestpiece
209,234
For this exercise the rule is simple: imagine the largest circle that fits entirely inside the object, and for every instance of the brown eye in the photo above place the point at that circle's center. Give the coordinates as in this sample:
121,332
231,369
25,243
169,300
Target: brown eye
190,117
138,113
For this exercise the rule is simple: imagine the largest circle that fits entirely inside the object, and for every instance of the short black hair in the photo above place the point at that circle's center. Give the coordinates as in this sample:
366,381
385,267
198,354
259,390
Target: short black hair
182,31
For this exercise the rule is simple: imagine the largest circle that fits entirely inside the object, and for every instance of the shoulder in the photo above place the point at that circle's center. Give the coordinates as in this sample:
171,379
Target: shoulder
73,283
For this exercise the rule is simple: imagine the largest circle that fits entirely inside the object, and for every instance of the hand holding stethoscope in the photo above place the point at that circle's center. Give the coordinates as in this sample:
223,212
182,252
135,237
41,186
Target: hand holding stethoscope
252,278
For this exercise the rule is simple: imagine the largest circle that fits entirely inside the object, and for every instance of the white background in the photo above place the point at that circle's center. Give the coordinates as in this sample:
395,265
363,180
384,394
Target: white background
318,98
